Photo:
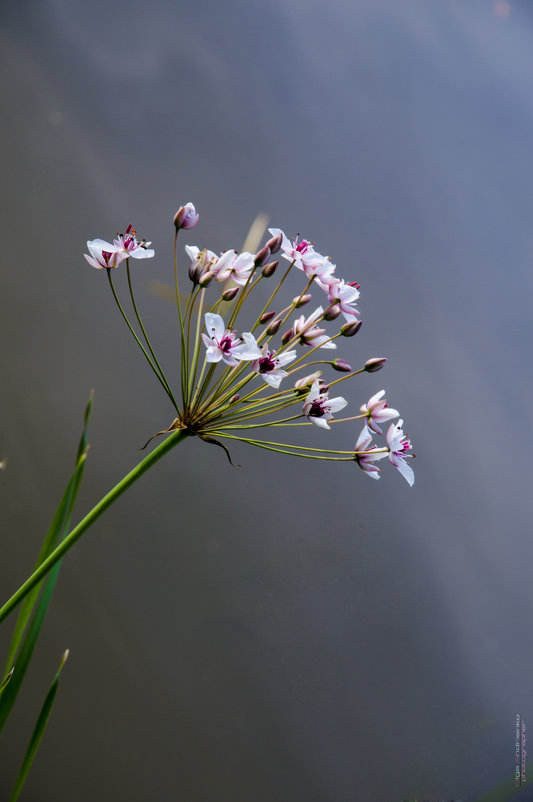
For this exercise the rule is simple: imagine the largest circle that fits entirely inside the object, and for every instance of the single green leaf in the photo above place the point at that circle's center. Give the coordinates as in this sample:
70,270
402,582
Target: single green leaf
57,530
38,732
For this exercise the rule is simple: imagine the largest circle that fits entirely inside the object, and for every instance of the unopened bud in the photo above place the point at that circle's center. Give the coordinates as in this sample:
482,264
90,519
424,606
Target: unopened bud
332,312
262,256
234,398
269,269
230,293
274,327
302,386
341,365
287,336
267,317
186,217
275,243
349,329
206,278
376,363
301,300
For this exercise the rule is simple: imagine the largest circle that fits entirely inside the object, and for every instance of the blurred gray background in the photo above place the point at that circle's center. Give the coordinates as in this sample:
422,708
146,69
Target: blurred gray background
282,631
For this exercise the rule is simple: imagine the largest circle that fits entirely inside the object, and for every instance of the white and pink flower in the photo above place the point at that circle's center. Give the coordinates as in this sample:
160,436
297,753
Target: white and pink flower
270,365
111,254
127,245
399,444
236,266
223,344
304,255
318,408
102,254
367,454
377,411
311,335
342,293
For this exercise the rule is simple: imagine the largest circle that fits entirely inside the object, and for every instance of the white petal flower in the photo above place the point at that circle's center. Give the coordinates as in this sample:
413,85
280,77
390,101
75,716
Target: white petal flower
377,411
103,254
366,454
235,266
311,335
399,444
270,365
318,408
127,245
304,255
222,343
345,295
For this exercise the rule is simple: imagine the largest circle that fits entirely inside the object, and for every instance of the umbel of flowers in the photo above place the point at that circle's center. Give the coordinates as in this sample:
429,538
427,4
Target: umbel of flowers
280,372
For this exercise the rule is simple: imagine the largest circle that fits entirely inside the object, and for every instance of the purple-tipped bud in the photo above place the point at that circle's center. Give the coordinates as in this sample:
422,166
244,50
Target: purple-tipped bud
230,293
269,269
267,317
206,278
302,386
234,398
275,243
332,312
274,327
301,300
262,256
186,217
349,329
376,363
341,365
287,336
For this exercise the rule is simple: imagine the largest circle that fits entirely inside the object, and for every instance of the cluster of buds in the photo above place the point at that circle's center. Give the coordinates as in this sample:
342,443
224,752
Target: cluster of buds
234,383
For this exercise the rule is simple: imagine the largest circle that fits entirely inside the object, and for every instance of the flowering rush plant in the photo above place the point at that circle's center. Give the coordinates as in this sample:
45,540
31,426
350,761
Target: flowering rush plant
251,363
265,374
269,376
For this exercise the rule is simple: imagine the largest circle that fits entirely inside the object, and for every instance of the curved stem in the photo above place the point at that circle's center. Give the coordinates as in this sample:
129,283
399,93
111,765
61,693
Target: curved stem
148,343
139,343
90,518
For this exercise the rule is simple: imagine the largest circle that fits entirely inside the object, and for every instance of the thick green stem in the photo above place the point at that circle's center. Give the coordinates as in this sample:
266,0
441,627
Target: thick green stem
90,518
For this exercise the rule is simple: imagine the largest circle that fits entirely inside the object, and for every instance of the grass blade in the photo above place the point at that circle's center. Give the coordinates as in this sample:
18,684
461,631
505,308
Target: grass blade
57,530
38,733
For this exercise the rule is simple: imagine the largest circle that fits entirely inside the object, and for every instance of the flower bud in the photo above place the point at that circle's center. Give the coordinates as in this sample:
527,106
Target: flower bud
234,398
333,311
275,243
302,386
341,365
267,317
376,363
262,257
269,269
186,217
206,278
230,293
301,300
274,327
349,329
287,336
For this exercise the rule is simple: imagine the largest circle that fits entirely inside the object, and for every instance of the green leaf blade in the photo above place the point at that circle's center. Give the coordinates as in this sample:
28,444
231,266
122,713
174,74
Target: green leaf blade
38,733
